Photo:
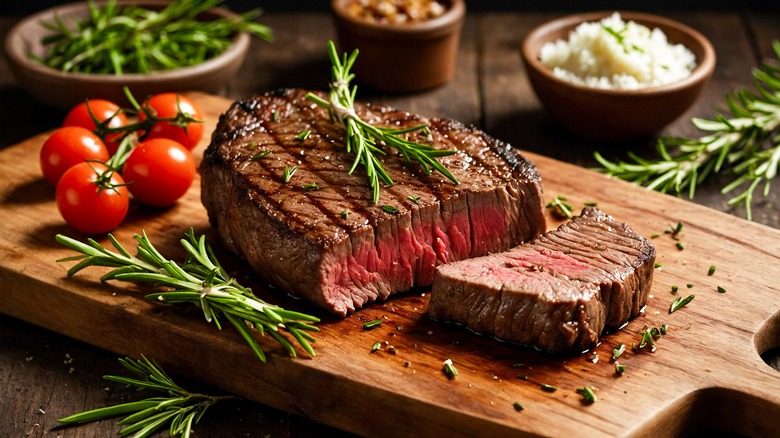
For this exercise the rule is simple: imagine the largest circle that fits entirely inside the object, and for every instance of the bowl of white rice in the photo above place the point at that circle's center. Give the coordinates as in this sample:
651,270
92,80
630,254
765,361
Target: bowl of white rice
617,76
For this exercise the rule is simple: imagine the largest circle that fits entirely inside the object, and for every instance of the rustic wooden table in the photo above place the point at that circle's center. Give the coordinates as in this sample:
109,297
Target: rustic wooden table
39,369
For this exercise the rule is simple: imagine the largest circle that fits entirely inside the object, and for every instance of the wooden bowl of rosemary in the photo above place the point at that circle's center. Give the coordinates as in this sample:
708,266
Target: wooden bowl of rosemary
615,114
69,53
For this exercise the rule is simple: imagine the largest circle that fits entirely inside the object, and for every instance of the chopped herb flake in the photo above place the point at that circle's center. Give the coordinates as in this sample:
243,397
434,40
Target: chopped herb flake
664,328
414,199
620,368
312,186
399,328
675,289
303,135
345,214
680,246
721,289
617,351
680,302
658,265
712,270
587,394
522,377
370,325
647,339
376,346
390,209
560,208
449,369
548,388
275,116
252,145
655,236
689,285
590,204
260,156
289,172
518,406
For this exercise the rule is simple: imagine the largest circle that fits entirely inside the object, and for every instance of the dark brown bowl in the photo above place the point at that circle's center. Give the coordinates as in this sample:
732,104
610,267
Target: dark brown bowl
401,58
64,90
616,115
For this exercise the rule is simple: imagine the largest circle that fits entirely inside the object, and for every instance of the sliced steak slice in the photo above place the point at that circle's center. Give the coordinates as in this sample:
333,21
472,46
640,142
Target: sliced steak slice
557,292
333,245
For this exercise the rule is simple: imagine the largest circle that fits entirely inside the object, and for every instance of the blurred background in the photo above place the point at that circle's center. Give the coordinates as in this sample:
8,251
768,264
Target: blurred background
27,6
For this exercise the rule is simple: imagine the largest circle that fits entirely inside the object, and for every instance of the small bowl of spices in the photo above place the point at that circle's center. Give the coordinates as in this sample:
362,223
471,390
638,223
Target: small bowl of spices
71,52
617,76
405,45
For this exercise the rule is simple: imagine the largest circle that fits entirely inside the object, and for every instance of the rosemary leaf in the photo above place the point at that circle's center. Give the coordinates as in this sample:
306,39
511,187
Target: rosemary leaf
680,302
744,143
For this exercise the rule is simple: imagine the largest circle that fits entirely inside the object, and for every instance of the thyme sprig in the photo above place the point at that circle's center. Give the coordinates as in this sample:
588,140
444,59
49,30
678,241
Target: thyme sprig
199,280
363,139
746,143
179,407
118,39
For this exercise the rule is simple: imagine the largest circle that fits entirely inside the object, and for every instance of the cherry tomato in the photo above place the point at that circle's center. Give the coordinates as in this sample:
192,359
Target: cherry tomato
86,207
159,172
102,110
67,147
167,105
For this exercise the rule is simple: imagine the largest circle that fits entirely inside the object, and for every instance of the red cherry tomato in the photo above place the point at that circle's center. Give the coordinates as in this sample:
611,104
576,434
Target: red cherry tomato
67,147
86,207
159,172
167,105
102,110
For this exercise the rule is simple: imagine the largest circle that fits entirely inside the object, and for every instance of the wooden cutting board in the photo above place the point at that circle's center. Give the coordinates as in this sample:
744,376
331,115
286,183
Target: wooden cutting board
706,372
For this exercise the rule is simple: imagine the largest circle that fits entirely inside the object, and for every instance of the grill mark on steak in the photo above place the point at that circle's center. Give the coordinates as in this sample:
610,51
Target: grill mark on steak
557,292
298,238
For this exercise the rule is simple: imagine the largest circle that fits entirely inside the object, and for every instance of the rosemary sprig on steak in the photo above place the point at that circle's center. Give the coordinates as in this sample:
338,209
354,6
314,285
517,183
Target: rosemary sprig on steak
363,138
199,280
179,408
746,144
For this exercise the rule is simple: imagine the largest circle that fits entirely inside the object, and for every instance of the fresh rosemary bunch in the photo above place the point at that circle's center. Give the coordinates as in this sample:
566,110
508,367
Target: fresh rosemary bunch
181,408
746,144
200,280
363,138
132,39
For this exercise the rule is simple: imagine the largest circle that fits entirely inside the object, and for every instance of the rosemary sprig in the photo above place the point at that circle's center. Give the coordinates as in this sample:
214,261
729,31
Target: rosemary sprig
363,139
200,280
181,408
746,143
131,39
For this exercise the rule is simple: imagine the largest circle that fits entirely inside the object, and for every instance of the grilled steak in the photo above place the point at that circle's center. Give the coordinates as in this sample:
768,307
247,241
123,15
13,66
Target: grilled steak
332,245
557,292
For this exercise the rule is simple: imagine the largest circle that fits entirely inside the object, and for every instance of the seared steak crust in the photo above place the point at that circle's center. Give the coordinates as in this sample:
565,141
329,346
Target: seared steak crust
332,245
557,292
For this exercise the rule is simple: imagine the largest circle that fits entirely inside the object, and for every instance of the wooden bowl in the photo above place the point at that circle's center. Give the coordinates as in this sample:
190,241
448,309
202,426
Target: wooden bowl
64,90
401,58
616,115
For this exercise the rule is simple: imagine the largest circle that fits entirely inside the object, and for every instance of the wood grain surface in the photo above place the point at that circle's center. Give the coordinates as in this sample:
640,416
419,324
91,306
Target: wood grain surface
708,364
44,374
